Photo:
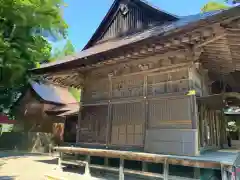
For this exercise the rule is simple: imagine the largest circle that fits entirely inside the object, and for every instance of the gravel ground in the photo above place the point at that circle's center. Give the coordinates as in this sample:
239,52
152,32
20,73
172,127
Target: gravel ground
26,167
31,167
20,166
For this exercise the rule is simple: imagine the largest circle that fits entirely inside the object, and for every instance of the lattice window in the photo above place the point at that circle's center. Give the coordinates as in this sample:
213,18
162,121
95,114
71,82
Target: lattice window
96,90
168,83
130,86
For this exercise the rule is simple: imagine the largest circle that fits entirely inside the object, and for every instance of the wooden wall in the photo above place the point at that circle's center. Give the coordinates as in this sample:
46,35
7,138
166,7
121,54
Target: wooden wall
120,110
128,123
94,124
31,111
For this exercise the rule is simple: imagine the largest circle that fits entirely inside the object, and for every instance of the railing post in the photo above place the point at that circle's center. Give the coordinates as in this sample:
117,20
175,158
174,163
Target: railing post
223,173
60,161
87,166
165,170
144,167
121,169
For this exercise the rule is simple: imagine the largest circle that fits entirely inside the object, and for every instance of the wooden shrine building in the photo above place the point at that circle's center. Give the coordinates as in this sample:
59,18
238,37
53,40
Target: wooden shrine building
154,81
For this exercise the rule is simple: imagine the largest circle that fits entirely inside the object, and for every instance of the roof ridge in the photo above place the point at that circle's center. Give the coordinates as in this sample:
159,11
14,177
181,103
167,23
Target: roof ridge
157,8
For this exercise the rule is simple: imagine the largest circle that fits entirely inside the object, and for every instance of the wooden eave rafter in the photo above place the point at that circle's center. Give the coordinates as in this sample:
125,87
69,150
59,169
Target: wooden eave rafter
195,39
199,40
222,55
66,79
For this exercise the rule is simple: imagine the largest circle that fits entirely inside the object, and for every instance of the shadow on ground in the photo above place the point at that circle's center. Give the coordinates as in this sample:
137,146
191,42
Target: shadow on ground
7,177
15,154
51,161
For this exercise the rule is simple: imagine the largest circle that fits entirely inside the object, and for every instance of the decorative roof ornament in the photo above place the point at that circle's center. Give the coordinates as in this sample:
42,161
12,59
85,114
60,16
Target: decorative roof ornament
124,9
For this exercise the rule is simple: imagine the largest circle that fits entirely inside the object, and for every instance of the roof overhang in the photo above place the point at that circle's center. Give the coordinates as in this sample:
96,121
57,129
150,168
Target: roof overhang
66,110
206,39
102,52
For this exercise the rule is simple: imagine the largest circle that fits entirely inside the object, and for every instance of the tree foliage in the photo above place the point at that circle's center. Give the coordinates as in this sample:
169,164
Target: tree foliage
58,53
25,28
213,6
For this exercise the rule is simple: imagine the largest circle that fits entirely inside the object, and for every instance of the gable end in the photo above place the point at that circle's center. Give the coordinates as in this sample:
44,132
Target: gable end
127,17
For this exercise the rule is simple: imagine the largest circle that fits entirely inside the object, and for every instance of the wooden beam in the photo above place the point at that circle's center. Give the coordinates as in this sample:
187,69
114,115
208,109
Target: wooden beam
210,40
158,47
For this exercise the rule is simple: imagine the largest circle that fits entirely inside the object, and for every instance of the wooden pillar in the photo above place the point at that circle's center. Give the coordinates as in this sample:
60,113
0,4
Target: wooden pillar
194,112
79,119
146,107
109,119
78,124
109,124
218,130
223,134
222,130
202,132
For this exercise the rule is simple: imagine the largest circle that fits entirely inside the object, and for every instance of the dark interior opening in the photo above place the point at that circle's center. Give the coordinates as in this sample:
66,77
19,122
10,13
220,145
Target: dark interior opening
70,129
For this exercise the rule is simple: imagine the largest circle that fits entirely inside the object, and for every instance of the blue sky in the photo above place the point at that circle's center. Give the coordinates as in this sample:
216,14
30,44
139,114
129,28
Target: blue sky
84,16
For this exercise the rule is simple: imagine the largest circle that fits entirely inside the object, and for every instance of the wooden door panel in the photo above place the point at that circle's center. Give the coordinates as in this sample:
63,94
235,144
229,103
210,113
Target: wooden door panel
93,126
128,122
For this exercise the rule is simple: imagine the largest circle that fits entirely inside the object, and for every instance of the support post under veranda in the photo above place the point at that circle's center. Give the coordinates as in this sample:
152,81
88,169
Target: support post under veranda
60,161
121,169
87,166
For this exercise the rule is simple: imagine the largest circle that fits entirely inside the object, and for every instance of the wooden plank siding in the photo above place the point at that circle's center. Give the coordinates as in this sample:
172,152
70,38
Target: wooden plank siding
130,105
170,113
125,18
128,122
93,126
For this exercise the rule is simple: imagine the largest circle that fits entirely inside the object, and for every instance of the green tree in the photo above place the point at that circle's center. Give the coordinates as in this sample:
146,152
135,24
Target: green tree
218,5
58,53
25,28
213,6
